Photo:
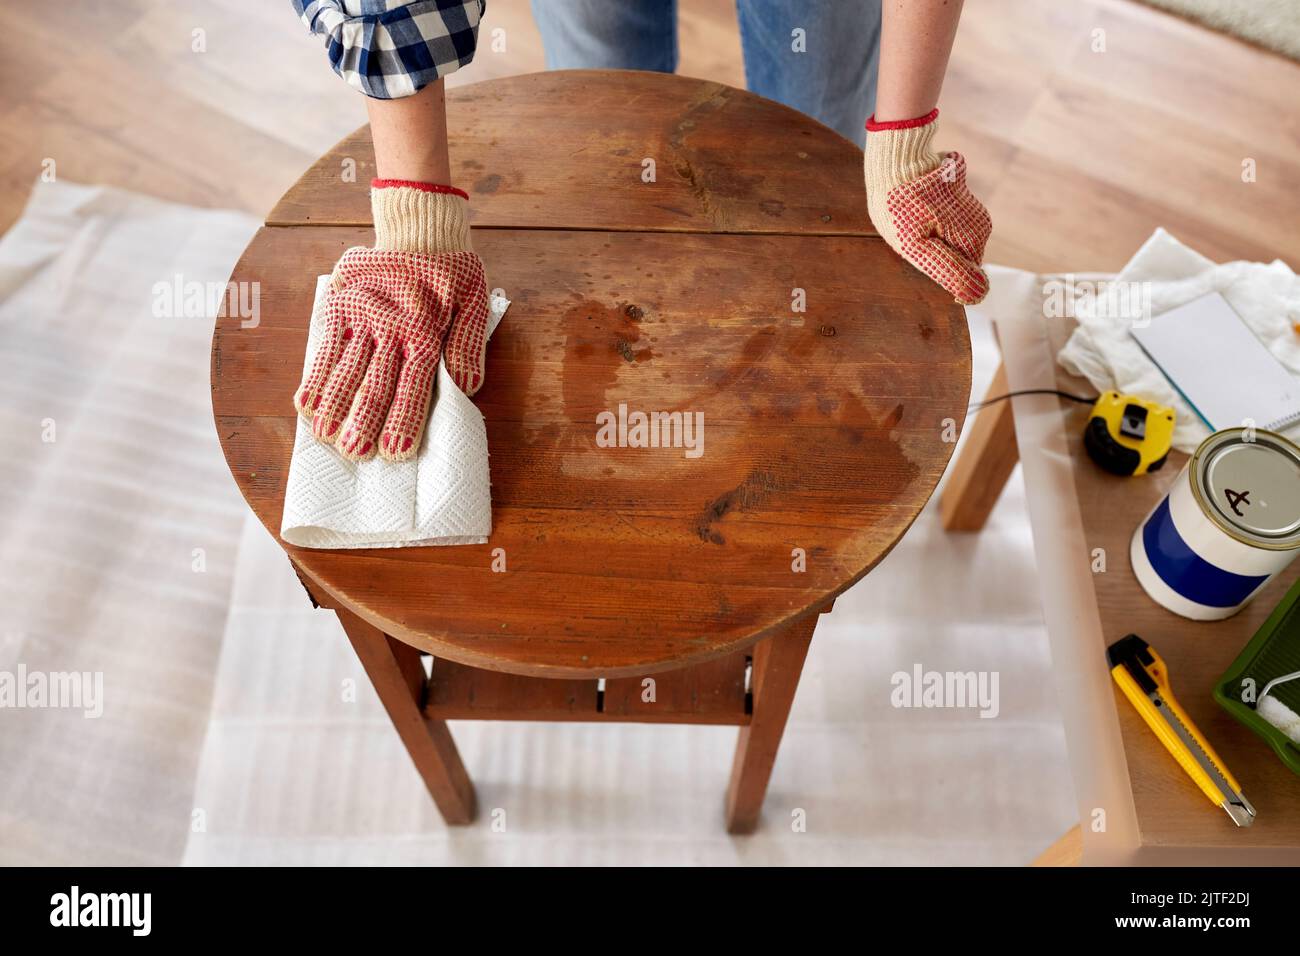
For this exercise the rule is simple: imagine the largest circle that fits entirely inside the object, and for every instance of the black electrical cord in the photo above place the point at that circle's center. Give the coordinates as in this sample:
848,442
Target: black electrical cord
976,406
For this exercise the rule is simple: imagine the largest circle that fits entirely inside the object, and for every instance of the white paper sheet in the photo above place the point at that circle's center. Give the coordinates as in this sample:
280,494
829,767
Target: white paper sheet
443,496
120,518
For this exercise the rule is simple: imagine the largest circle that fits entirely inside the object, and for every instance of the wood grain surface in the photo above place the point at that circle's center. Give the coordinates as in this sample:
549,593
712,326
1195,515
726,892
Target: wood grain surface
567,149
1171,810
824,430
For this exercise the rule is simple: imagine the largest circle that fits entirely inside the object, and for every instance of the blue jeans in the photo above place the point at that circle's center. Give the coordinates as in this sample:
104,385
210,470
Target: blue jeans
832,79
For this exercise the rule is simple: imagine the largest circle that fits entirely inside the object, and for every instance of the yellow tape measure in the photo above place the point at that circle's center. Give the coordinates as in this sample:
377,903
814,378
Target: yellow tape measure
1127,435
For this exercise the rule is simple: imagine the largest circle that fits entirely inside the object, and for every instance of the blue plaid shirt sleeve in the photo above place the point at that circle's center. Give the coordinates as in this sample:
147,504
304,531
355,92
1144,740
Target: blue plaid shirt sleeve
392,48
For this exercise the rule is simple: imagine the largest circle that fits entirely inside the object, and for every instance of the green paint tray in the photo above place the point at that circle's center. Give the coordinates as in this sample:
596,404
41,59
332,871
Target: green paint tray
1272,652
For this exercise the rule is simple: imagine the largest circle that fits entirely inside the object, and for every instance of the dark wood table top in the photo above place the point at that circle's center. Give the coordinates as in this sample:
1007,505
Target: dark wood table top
825,430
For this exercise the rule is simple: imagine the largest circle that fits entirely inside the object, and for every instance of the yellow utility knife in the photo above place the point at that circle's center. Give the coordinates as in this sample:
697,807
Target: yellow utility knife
1141,675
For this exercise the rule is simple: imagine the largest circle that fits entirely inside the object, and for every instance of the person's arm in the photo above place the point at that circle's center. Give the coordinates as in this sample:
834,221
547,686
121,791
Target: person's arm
916,37
394,49
410,136
917,196
417,300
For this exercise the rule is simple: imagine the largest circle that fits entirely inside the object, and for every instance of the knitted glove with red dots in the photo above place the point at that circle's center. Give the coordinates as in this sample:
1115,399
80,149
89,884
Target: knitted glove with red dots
920,205
392,313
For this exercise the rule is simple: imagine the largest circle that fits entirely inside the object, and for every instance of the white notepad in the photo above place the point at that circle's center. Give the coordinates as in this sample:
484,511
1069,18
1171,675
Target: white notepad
1219,366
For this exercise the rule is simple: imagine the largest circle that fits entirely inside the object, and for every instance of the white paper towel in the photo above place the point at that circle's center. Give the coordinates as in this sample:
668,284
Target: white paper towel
440,497
1102,350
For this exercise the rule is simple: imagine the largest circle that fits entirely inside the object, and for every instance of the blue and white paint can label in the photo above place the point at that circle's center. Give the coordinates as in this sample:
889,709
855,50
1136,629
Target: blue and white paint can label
1229,523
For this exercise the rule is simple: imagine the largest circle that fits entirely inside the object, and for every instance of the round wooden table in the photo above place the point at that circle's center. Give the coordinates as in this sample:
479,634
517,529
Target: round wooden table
669,245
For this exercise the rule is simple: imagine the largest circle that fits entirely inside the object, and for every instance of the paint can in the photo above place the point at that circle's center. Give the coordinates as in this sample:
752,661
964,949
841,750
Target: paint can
1229,523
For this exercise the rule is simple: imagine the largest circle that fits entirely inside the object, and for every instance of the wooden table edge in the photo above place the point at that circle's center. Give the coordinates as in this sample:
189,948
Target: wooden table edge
430,644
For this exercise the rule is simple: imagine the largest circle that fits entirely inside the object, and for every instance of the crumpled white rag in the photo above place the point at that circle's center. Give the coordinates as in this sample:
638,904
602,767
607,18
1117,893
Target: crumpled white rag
440,497
1280,716
1101,349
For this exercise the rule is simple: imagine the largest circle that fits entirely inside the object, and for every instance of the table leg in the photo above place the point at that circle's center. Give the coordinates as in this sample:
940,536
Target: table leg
985,462
395,670
1067,851
777,664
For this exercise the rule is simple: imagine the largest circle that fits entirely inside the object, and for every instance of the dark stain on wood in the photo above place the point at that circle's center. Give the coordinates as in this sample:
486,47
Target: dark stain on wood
597,339
747,495
750,360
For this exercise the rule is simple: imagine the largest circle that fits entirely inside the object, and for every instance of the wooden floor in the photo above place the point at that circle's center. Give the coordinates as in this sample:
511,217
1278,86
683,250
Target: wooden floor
1078,154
